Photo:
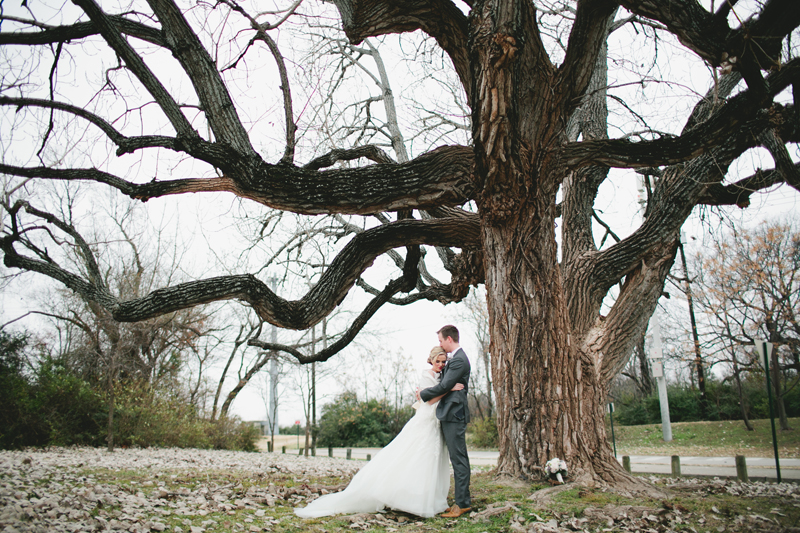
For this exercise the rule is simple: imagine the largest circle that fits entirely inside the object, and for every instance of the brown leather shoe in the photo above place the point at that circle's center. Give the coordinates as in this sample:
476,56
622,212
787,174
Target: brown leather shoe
455,511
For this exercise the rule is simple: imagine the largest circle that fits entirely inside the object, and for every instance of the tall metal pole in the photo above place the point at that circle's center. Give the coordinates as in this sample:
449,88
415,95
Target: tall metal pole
613,438
765,352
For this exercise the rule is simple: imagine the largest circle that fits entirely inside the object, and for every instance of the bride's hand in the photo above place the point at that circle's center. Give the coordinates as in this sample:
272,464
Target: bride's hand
457,386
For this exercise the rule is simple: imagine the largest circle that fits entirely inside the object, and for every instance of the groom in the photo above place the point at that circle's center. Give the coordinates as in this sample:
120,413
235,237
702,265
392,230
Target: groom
453,413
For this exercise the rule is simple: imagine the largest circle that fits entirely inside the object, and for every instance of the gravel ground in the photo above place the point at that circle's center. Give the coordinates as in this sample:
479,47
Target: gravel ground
61,489
192,491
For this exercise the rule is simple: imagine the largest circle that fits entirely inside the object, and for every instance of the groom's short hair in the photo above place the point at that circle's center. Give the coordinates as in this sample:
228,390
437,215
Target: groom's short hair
449,331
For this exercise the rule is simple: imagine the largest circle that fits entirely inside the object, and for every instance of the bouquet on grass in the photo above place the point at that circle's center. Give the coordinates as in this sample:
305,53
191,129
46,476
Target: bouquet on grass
556,469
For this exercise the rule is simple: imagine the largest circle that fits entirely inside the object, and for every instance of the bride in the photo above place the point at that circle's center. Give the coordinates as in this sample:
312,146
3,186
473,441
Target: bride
411,474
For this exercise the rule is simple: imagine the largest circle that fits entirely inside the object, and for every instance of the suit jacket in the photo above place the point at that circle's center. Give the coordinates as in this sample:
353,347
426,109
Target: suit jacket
453,407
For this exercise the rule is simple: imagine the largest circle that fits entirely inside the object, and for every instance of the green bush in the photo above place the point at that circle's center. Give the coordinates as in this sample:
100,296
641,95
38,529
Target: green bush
349,422
146,417
50,406
723,401
72,412
723,404
684,405
291,430
482,432
632,413
19,423
232,434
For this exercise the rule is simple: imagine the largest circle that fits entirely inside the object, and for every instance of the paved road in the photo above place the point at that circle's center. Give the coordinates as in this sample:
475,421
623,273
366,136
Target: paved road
758,468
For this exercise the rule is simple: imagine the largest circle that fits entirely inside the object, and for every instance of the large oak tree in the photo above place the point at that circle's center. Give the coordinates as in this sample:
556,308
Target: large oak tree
540,150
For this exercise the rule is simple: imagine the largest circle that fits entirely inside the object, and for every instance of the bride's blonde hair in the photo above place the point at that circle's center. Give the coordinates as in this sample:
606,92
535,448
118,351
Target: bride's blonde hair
435,352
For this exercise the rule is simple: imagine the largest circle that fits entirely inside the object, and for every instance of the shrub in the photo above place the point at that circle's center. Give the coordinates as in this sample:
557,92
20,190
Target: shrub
232,434
151,417
51,406
71,411
723,403
483,432
291,430
19,424
54,406
349,422
684,405
632,413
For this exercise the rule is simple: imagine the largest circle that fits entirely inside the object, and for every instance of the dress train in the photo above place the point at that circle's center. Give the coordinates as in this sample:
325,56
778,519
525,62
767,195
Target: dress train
411,474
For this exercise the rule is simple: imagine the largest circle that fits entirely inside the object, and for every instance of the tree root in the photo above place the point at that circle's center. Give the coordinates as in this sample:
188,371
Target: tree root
628,486
507,480
616,481
542,498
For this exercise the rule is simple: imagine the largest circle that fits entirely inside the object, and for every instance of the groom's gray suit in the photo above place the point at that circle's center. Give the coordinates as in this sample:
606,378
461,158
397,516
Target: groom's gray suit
453,413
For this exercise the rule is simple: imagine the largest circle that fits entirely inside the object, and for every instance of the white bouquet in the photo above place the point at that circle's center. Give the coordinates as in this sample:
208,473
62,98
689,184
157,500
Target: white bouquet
556,469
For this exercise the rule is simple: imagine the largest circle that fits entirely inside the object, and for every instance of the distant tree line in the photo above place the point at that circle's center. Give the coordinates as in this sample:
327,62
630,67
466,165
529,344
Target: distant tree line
684,404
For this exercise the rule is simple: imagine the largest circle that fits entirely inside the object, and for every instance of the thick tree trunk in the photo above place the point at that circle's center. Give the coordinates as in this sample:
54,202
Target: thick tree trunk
549,403
549,400
779,393
645,384
110,424
742,398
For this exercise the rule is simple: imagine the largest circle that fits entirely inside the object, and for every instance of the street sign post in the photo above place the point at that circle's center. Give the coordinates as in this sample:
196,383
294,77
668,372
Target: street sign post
656,359
764,350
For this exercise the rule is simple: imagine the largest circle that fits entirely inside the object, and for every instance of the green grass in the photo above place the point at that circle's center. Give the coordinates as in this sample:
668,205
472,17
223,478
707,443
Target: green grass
711,439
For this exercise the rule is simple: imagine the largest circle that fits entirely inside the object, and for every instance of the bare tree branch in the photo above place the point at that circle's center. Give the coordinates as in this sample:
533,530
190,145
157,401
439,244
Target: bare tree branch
198,65
441,19
332,287
744,112
589,33
440,177
262,35
371,152
107,28
75,32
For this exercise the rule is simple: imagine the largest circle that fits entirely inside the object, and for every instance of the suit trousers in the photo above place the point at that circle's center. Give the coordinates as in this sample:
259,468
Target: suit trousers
455,437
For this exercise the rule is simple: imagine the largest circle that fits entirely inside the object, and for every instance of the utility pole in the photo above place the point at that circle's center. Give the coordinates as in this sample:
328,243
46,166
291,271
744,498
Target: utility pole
272,415
698,359
657,357
314,387
312,393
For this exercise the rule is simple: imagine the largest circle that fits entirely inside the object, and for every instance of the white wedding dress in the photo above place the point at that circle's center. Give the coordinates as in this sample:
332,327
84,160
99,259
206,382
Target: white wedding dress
411,474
